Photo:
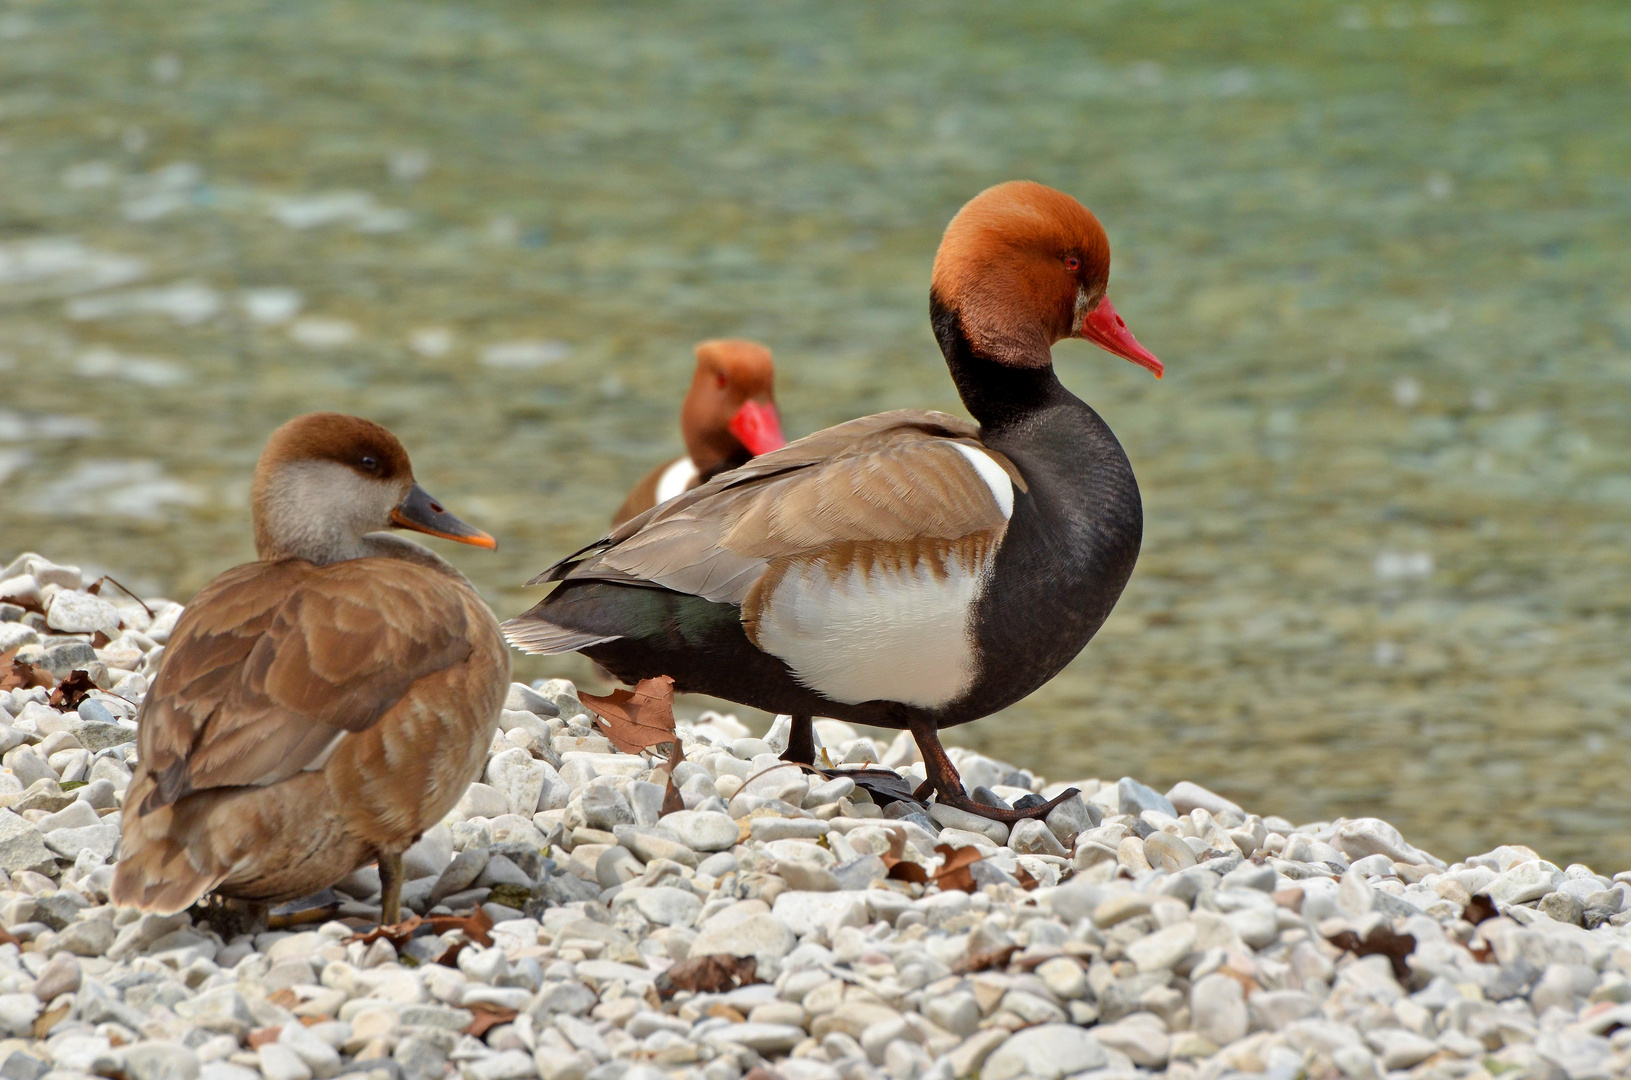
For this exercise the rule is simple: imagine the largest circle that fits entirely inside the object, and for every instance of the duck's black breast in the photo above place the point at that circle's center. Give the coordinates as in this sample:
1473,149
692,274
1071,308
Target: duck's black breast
1067,554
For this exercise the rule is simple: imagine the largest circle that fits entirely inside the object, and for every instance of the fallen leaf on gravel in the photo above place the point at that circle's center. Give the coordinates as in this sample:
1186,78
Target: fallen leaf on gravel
708,974
475,927
1479,908
71,691
954,872
1381,941
1026,881
21,675
899,867
44,1022
487,1017
261,1036
985,961
673,801
637,719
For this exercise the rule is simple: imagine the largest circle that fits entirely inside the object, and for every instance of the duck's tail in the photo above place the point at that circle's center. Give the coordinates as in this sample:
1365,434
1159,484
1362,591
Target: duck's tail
531,633
165,865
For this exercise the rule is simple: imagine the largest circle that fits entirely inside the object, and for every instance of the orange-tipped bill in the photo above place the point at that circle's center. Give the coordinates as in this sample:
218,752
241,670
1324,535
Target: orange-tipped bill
1104,328
759,427
421,513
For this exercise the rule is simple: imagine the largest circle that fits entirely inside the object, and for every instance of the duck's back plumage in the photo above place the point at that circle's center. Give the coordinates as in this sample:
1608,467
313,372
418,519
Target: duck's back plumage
304,718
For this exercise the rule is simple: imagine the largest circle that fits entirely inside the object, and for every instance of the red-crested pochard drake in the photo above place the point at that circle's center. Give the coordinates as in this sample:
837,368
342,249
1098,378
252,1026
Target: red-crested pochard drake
321,708
729,417
910,569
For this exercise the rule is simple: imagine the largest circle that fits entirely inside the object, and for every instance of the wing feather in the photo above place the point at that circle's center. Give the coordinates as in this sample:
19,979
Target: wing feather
272,660
885,486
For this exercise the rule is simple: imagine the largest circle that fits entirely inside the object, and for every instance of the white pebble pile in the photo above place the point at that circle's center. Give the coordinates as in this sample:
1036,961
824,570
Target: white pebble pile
1170,935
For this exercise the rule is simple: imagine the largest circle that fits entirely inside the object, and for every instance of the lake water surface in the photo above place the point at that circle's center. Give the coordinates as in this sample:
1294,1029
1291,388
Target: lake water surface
1381,247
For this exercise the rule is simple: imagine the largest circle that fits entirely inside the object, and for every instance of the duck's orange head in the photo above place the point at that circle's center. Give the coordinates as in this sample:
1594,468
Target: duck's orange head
1023,266
732,402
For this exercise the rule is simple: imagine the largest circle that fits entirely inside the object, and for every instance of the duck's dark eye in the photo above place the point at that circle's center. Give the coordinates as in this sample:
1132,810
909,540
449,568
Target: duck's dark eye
1072,263
370,462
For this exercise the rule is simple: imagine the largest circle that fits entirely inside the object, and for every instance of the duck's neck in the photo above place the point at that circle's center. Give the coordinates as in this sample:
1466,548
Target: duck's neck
1000,396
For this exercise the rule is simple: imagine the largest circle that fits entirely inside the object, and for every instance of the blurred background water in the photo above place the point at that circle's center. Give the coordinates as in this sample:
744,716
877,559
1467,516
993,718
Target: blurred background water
1381,247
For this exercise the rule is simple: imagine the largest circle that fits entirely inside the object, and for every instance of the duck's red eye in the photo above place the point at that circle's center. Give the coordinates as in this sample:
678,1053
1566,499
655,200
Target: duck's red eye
721,381
1072,263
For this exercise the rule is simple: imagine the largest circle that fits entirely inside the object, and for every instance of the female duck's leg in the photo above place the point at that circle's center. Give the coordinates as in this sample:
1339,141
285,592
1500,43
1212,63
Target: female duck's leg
390,888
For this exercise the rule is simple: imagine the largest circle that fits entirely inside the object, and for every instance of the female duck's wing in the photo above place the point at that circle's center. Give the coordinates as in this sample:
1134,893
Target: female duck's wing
854,554
272,663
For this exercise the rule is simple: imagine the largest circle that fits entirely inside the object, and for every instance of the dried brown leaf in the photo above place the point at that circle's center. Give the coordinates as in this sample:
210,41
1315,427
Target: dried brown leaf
71,691
637,719
895,862
1381,941
954,872
487,1017
21,675
673,802
708,974
986,960
44,1022
902,870
1479,908
474,925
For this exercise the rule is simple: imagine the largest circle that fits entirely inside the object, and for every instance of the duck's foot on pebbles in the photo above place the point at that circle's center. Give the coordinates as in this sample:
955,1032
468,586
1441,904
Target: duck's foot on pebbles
1039,809
319,907
946,783
230,917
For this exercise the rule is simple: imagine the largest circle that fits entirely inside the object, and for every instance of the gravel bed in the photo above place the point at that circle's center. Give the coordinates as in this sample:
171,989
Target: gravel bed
1133,933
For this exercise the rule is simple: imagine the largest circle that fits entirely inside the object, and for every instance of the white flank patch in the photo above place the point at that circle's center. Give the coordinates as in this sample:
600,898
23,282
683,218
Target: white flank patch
885,635
1002,487
676,479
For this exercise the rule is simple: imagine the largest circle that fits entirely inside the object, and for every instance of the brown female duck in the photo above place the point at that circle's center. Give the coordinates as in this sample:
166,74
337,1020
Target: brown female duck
321,708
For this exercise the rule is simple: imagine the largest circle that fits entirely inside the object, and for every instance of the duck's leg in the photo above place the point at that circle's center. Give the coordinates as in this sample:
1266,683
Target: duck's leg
230,916
947,784
801,741
390,888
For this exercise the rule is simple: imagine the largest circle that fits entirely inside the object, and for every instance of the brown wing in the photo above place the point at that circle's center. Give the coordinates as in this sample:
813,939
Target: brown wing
272,661
880,486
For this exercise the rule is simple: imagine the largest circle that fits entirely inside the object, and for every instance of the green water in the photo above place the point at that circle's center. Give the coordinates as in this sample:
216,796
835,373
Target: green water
1381,247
